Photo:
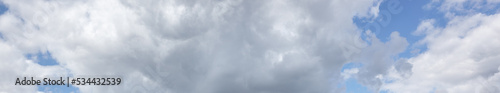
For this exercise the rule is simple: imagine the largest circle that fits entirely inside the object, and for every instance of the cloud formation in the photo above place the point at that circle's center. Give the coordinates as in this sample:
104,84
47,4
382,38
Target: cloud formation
462,57
190,46
247,46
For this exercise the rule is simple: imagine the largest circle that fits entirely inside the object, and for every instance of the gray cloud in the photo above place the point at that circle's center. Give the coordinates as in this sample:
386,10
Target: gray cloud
191,46
378,59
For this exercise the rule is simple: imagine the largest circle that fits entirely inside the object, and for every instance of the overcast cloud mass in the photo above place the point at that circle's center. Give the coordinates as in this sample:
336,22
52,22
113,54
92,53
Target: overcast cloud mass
249,46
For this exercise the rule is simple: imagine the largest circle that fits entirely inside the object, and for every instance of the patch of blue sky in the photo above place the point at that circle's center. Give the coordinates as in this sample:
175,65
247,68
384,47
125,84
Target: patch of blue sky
3,8
473,7
352,86
58,89
351,65
44,59
494,9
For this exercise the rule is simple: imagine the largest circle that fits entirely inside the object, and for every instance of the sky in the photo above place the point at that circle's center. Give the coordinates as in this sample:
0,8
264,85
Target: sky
253,46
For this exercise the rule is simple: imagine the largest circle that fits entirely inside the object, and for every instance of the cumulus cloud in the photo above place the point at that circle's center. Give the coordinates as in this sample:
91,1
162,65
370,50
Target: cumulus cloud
193,46
462,57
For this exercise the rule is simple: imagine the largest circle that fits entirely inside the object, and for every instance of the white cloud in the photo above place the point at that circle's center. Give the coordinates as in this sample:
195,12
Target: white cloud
462,57
348,73
12,66
194,46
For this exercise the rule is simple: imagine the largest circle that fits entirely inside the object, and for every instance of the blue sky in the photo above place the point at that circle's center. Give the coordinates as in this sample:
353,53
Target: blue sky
3,8
43,58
